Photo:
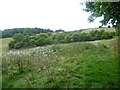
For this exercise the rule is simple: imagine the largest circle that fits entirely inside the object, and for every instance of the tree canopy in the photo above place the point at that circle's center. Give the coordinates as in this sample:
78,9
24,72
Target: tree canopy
21,40
26,31
109,10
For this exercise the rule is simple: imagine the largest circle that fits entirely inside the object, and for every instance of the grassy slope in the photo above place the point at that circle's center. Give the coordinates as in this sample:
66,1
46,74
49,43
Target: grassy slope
106,29
75,65
4,44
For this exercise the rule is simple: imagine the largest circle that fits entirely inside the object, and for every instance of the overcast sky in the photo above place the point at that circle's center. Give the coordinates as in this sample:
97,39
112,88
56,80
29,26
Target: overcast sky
53,14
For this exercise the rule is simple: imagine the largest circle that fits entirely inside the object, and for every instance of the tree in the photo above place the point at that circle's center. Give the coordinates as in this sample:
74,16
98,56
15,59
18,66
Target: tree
49,40
26,41
27,31
75,37
41,41
18,37
11,44
68,38
32,42
60,30
18,45
109,10
43,35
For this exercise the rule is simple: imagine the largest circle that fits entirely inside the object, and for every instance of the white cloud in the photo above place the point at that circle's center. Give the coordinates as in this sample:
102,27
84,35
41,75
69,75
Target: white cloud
53,14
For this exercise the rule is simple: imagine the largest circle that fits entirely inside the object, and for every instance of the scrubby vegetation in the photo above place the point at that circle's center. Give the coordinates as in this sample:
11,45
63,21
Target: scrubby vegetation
29,31
26,31
75,65
21,41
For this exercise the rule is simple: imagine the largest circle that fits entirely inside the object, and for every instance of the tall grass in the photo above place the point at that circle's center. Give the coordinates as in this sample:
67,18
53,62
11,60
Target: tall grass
106,30
75,65
4,44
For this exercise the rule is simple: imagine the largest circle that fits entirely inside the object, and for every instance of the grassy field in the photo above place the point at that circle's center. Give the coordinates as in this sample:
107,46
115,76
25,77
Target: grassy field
4,44
106,29
74,65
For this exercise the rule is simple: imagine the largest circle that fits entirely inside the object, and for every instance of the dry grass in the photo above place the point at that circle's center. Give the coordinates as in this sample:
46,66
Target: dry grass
4,44
106,29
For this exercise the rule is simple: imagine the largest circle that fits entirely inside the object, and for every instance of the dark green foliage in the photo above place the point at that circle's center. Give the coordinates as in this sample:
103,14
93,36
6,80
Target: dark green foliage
42,39
32,42
75,37
68,39
118,30
18,37
59,37
26,39
49,40
44,35
18,45
109,10
11,44
59,30
26,31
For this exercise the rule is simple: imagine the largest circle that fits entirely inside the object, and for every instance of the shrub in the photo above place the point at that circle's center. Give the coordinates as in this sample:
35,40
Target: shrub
49,40
18,37
26,39
44,35
11,44
75,37
41,42
68,39
27,31
18,45
32,42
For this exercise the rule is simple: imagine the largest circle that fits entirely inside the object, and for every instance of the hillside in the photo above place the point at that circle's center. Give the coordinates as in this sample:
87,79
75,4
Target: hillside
4,44
74,65
106,29
78,64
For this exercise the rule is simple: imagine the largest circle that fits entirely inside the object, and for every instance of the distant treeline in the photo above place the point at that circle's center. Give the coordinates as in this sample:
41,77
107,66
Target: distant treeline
29,31
21,41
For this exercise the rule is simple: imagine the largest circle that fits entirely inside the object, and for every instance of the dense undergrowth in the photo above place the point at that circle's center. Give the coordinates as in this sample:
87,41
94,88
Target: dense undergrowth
75,65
